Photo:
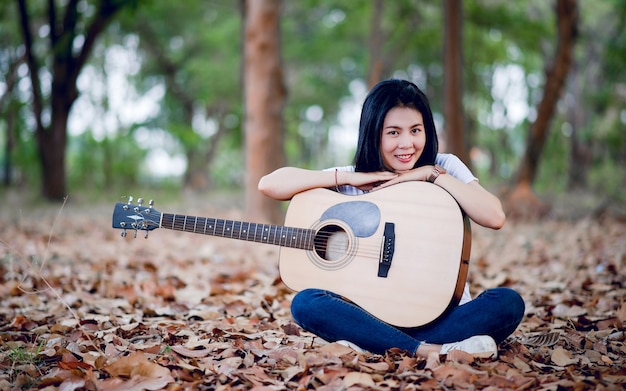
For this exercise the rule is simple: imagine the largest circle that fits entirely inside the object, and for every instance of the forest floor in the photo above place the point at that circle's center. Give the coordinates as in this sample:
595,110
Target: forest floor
82,308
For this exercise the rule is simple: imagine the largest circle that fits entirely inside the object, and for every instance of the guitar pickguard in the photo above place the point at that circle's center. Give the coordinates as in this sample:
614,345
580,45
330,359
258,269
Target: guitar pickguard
363,217
338,230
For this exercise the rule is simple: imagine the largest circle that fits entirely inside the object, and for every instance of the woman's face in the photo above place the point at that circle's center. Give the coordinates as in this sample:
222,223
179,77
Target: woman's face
403,138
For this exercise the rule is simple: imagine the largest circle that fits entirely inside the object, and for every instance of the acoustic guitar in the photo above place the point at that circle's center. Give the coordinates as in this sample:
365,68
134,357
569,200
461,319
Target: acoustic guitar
401,253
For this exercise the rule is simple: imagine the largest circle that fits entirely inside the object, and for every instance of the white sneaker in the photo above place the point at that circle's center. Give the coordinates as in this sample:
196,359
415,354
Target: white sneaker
351,345
482,346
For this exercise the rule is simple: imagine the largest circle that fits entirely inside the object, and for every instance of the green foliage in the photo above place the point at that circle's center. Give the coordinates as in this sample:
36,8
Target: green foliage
113,162
192,50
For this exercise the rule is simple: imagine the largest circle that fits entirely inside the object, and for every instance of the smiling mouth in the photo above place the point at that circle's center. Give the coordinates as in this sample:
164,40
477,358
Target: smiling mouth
406,157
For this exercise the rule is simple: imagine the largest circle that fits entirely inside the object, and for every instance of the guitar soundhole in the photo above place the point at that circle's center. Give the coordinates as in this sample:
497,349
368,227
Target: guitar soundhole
333,247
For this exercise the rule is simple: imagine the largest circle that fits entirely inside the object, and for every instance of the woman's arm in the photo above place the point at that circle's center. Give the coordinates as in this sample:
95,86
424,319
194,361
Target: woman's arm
479,204
286,182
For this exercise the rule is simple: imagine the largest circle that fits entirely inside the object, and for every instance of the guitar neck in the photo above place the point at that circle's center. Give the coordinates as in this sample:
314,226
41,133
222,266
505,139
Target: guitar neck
300,238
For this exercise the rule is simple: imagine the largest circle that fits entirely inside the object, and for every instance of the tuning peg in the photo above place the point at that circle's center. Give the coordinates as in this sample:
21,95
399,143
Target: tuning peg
130,199
135,234
146,237
140,201
151,203
123,233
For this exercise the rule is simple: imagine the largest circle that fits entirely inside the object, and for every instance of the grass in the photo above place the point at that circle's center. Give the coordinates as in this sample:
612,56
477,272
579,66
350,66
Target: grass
22,363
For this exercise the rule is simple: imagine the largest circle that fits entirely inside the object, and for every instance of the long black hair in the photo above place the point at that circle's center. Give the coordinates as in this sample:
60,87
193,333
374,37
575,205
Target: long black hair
385,96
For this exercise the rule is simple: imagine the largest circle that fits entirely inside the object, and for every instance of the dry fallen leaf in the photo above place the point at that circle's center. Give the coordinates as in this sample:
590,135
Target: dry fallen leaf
181,311
562,357
139,374
358,378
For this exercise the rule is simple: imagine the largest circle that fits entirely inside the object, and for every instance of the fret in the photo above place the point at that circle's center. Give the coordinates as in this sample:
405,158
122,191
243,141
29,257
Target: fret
258,233
268,233
276,237
165,222
292,238
229,228
251,229
296,238
309,241
279,235
216,227
205,221
236,229
301,238
244,231
185,224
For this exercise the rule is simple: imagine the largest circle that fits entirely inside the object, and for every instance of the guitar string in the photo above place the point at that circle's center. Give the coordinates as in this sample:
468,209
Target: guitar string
368,251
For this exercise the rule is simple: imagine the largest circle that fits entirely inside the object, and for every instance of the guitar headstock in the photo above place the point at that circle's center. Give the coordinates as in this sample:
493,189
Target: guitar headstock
135,217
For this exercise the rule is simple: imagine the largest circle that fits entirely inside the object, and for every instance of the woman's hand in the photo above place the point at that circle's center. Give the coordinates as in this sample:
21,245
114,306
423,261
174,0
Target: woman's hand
366,181
416,174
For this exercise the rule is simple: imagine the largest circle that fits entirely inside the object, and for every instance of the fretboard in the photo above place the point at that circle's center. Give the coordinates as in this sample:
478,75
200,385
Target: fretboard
261,233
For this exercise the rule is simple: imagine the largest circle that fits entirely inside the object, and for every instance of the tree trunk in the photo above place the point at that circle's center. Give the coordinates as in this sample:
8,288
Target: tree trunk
453,89
376,65
10,115
555,80
580,153
582,75
8,148
51,144
264,97
66,63
521,201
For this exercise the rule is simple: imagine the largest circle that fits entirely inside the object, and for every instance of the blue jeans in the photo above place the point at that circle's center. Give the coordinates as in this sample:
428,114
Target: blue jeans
496,312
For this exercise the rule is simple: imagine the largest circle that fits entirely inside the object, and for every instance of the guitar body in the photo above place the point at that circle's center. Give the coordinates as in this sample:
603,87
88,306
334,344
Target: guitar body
430,260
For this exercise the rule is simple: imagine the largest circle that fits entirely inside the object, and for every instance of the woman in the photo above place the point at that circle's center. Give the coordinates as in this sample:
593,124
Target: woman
398,143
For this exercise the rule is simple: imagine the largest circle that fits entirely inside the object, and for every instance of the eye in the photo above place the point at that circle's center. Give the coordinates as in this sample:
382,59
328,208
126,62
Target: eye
416,130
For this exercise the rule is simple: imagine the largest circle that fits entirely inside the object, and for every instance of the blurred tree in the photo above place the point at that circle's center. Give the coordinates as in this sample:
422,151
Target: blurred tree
264,98
375,43
10,60
70,40
522,200
453,80
504,60
194,50
596,96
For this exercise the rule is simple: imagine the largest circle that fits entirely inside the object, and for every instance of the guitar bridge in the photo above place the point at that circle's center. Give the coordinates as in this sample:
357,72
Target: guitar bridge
386,252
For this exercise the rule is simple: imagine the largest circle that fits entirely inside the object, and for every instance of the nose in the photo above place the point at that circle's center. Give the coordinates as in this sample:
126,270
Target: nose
404,141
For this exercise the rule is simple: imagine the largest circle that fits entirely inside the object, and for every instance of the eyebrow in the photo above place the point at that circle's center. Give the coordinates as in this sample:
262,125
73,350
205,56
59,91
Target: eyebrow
400,127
